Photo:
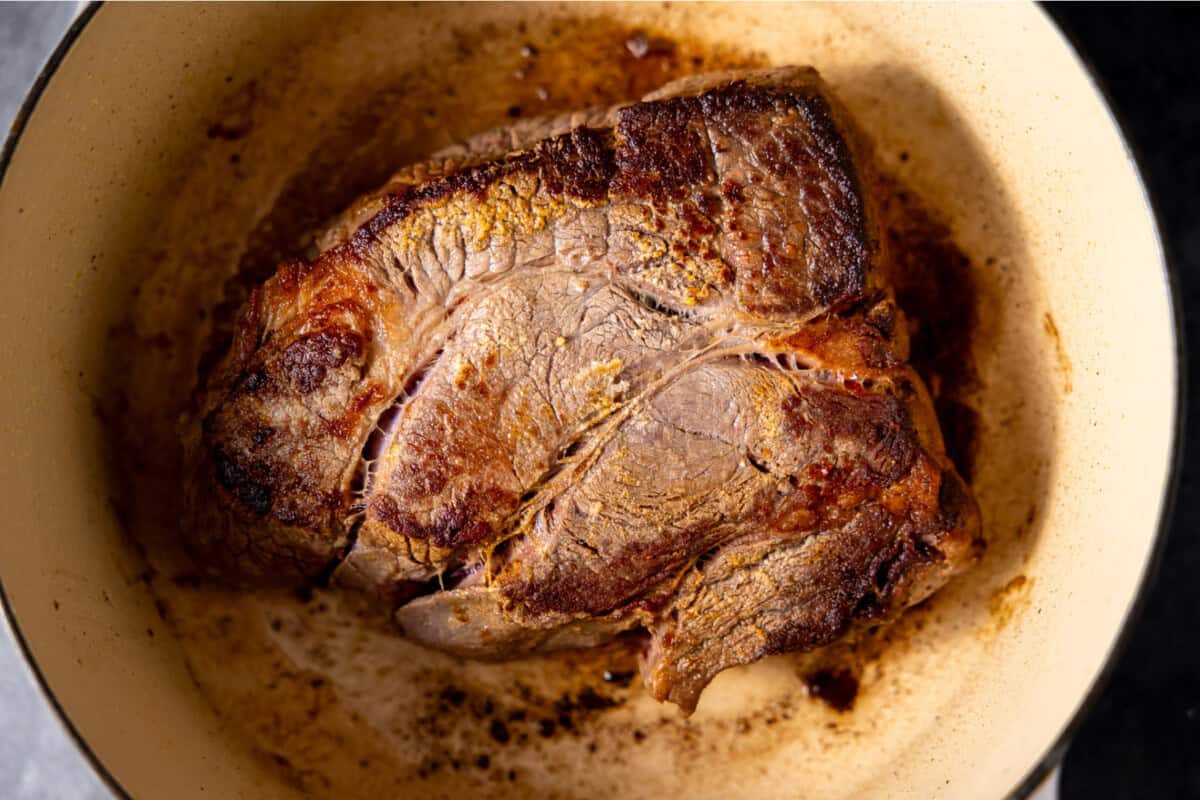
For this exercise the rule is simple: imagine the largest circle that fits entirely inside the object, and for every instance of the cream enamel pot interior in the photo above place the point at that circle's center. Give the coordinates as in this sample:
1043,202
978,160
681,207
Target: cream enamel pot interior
983,109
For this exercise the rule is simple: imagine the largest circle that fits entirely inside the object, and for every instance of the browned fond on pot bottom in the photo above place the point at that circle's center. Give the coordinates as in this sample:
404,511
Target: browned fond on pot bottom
1015,153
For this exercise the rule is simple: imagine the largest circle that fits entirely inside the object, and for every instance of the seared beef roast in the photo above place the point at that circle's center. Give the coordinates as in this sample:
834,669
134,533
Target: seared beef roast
636,368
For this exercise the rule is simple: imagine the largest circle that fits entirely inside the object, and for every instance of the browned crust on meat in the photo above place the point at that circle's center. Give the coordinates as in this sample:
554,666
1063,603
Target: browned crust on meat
657,154
819,494
854,483
578,164
267,507
662,152
879,562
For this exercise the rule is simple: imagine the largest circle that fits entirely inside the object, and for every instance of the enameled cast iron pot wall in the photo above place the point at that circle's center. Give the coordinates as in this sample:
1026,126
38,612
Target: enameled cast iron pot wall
1001,129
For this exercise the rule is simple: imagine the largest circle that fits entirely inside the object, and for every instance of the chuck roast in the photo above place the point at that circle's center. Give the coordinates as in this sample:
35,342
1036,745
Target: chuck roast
628,369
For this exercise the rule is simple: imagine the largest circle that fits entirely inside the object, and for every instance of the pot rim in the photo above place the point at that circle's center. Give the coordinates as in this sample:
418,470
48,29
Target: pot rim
1054,756
1038,773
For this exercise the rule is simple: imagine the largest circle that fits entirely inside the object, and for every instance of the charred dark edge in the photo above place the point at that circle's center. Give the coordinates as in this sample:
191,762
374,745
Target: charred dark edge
584,162
469,180
833,132
580,164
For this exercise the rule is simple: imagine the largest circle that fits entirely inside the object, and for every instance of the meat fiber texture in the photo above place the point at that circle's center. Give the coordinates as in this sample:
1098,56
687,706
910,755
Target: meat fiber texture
628,369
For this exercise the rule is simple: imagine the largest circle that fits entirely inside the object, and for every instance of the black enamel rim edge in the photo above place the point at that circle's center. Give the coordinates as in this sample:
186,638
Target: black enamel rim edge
10,145
1054,756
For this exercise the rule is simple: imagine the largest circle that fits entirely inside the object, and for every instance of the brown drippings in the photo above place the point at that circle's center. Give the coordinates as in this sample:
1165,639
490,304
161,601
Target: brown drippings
836,688
857,657
1009,599
1060,352
937,289
237,119
960,429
